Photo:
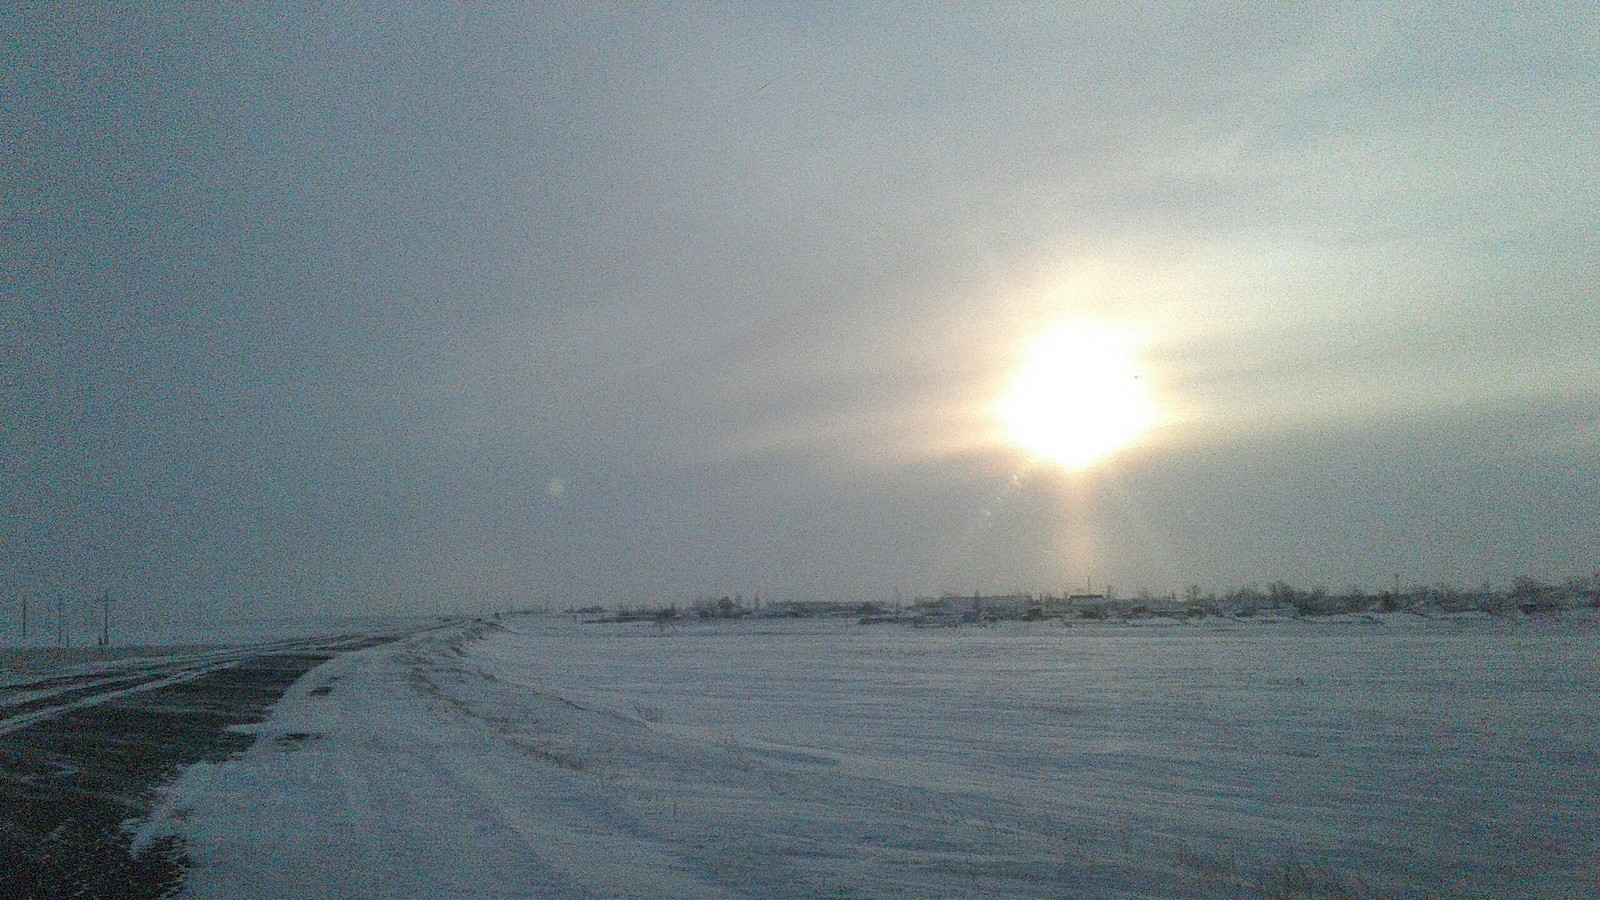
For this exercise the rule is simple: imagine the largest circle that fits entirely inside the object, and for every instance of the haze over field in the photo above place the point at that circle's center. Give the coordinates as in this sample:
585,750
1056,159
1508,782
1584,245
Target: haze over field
338,311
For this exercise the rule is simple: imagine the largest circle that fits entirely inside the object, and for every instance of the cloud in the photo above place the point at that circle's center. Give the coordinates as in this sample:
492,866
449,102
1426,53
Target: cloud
352,289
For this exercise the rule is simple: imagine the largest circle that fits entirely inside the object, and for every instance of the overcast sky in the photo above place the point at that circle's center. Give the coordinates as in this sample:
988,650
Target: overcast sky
406,308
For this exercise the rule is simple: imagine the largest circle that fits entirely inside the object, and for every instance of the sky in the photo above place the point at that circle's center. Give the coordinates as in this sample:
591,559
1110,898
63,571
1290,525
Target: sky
395,307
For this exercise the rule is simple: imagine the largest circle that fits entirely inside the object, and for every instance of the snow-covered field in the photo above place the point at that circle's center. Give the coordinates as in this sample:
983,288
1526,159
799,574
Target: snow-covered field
822,758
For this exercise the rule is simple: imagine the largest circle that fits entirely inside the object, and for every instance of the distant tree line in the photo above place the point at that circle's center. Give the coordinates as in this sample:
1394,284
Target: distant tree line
1525,596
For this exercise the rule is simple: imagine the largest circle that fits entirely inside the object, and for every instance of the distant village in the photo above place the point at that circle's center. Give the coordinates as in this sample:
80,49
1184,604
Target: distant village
1278,601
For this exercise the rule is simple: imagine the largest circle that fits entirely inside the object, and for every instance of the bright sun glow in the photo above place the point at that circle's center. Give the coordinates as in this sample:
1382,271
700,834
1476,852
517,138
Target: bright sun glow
1078,397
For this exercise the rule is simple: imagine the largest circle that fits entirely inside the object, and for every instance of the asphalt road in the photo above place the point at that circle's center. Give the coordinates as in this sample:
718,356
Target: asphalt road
83,751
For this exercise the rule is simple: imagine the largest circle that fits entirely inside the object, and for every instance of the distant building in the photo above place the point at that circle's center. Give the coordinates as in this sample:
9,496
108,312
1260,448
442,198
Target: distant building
1075,605
1008,606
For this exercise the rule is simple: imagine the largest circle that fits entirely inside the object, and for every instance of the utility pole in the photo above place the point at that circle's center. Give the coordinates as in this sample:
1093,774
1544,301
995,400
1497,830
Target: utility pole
105,620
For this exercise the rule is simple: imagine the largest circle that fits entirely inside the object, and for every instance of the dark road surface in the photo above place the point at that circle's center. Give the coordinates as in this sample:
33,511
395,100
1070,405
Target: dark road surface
73,772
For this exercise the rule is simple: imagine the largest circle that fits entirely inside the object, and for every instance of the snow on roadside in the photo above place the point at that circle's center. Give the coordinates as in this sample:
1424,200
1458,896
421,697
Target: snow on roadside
805,759
368,781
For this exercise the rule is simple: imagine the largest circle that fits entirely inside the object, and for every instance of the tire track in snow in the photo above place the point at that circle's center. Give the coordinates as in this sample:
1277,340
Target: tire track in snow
18,722
75,774
102,684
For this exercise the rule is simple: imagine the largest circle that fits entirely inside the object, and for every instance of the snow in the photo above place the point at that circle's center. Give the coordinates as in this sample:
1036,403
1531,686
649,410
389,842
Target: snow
822,758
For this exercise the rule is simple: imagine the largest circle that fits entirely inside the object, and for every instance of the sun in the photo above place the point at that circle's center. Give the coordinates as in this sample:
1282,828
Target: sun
1078,397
